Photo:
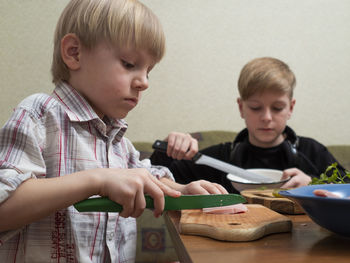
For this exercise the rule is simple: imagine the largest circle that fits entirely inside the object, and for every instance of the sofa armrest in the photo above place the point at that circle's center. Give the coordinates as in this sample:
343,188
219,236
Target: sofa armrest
342,154
145,149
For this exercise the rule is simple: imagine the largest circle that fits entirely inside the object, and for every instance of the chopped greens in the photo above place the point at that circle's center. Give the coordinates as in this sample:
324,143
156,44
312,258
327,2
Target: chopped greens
331,176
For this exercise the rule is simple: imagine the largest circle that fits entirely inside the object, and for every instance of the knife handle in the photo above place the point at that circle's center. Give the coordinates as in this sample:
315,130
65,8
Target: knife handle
159,145
103,204
162,146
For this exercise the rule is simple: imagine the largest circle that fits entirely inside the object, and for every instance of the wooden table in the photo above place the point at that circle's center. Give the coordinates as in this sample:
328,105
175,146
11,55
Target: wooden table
306,243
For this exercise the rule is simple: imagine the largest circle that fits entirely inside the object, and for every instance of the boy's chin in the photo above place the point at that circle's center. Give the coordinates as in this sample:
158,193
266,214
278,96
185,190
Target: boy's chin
267,143
120,115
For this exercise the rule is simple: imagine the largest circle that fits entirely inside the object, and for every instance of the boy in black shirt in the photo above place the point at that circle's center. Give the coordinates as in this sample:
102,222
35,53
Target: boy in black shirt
266,103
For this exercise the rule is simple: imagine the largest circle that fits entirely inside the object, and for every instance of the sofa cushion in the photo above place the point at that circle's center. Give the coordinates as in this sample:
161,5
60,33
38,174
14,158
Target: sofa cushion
209,138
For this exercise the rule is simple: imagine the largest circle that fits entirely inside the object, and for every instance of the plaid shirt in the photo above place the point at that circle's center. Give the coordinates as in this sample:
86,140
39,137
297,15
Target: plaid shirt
51,136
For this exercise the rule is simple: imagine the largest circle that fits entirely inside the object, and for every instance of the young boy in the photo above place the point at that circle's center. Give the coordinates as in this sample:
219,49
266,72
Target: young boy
266,103
60,149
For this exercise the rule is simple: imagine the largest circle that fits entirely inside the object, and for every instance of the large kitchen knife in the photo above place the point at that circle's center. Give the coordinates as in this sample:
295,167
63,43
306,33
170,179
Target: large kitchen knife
103,204
200,158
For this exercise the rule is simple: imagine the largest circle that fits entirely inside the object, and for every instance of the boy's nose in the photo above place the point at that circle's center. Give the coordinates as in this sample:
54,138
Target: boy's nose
141,82
266,115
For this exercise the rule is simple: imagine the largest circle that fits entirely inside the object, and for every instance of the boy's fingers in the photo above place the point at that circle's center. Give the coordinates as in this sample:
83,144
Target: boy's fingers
288,173
203,187
171,139
128,207
189,147
191,150
208,187
181,146
212,188
156,189
176,151
221,188
197,188
285,176
291,183
152,189
182,150
168,190
140,204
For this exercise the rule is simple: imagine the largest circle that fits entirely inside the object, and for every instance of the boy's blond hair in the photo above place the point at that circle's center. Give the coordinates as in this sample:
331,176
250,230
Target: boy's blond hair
123,23
266,74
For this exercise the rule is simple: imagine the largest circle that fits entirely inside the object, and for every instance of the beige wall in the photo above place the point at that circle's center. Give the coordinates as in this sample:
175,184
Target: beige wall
208,42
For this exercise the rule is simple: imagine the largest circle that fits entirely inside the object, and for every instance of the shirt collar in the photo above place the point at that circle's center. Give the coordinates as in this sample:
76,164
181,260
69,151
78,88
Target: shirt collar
79,110
76,107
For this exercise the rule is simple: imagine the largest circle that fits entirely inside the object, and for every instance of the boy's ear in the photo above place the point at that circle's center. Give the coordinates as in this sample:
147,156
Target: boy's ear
70,51
291,108
240,106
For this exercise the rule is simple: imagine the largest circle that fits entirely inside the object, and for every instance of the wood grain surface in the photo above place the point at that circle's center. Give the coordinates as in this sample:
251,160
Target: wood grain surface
257,222
306,242
278,204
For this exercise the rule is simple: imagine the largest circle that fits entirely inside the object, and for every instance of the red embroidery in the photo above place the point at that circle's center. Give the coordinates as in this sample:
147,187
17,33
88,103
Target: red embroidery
61,248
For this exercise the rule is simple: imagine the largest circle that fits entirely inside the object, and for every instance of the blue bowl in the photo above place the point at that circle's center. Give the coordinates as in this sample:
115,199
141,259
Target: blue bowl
328,212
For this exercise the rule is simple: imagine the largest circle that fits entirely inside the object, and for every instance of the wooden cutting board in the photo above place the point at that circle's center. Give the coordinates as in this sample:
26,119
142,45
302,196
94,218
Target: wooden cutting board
266,198
257,222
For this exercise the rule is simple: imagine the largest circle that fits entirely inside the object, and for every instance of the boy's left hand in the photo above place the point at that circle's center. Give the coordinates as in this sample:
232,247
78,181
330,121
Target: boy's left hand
203,187
298,178
181,146
200,187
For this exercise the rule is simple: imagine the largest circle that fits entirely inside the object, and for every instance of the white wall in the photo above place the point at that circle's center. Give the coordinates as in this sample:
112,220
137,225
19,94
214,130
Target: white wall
208,42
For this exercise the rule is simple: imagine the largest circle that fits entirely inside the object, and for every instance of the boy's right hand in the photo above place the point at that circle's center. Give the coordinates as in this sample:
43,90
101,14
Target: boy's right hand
181,145
128,187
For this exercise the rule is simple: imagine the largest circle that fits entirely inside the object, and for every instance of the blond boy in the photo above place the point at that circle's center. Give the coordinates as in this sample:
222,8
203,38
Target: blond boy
57,150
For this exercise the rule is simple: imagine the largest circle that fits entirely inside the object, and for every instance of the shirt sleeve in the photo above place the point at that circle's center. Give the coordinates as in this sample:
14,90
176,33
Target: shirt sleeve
20,152
20,156
134,162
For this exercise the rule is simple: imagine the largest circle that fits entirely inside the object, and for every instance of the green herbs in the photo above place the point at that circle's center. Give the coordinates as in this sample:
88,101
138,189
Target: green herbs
331,176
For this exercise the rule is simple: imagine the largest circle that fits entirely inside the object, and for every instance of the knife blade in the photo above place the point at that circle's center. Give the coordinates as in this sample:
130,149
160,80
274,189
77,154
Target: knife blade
200,158
103,204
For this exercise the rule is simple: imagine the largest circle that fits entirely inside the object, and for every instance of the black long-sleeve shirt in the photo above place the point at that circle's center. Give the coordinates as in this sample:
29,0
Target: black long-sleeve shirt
312,158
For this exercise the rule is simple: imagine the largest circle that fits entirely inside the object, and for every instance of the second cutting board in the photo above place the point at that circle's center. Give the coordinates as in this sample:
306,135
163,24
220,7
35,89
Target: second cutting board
278,204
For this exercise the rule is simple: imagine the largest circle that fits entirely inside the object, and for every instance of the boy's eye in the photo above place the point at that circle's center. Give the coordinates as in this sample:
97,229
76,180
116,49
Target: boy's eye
127,64
255,108
277,109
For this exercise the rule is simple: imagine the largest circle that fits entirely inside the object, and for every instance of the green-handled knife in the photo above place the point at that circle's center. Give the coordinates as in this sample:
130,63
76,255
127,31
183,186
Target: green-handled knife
103,204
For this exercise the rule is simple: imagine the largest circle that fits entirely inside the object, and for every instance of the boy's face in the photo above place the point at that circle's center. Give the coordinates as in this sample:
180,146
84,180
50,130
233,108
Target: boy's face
111,79
266,116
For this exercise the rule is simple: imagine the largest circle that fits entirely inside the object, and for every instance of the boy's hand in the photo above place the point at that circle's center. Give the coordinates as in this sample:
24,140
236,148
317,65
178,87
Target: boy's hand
200,187
203,187
128,187
181,146
298,178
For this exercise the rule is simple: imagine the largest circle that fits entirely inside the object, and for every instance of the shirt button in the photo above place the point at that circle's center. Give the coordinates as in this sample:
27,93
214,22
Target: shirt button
111,236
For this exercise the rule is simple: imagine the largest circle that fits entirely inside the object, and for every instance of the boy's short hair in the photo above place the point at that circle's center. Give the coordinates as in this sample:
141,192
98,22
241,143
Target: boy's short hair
266,74
123,23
